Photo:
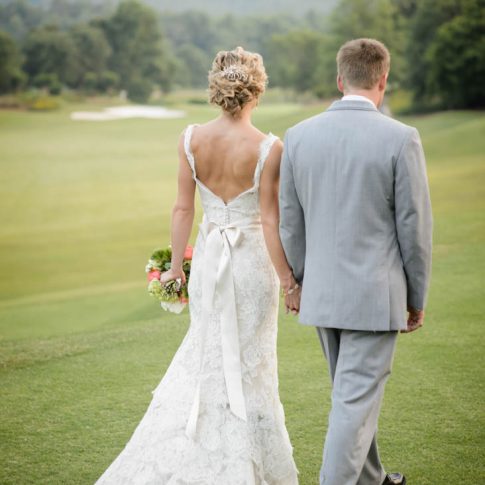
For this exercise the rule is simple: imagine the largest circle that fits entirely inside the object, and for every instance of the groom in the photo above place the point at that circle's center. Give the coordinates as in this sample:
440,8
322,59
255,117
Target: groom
356,224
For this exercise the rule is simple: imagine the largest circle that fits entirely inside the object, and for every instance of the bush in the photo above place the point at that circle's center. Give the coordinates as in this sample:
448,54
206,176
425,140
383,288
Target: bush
107,81
140,90
49,81
15,82
55,88
33,100
45,103
90,82
72,96
11,101
11,76
400,101
44,80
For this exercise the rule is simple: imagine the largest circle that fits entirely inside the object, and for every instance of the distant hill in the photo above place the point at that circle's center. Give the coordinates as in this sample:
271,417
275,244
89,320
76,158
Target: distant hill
216,7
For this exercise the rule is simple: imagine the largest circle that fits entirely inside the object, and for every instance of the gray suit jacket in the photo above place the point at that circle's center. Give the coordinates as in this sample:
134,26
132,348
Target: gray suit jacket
355,217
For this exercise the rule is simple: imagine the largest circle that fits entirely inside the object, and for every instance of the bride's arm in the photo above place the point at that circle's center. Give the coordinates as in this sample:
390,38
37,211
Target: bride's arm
269,186
182,216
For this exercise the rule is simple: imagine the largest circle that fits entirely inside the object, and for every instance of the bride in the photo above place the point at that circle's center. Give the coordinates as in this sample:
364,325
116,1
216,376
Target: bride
216,417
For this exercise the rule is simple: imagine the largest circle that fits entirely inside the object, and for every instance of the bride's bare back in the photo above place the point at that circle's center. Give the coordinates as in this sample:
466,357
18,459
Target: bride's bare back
225,156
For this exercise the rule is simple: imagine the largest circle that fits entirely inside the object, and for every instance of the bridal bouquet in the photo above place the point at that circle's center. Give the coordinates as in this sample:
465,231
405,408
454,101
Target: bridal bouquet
173,296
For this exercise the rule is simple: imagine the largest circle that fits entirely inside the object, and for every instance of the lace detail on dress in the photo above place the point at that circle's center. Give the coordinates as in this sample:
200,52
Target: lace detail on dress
226,450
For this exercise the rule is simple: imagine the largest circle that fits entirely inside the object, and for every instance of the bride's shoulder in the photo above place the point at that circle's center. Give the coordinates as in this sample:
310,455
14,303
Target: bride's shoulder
200,128
263,137
190,132
189,128
274,141
274,146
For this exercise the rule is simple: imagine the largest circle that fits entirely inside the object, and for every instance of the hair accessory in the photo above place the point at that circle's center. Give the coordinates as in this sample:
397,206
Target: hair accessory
234,73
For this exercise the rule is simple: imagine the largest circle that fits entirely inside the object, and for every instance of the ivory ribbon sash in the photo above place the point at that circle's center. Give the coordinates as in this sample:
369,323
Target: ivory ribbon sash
218,277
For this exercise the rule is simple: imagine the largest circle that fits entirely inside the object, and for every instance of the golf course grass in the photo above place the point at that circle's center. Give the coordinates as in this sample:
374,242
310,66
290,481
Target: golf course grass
82,345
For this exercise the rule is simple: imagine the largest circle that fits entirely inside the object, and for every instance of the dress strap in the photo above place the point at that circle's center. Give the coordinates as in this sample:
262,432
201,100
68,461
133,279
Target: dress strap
264,150
188,151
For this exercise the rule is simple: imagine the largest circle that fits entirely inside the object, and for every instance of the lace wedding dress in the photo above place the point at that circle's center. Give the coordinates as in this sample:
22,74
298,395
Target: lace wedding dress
216,417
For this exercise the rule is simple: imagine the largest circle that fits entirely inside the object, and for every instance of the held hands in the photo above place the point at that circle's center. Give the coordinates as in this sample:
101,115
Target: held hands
415,320
292,293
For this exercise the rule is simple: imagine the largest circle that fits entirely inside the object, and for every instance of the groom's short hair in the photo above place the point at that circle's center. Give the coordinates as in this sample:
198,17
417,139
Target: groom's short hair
361,62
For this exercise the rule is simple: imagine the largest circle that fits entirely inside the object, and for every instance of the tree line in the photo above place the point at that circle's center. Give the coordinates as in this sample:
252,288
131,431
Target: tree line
437,48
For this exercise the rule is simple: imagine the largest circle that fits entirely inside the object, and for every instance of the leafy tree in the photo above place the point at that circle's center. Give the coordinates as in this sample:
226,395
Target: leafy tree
137,55
405,8
193,66
107,81
363,18
305,59
457,58
90,82
208,35
377,19
293,59
446,44
18,18
48,81
437,48
48,50
428,17
252,32
92,50
11,75
192,27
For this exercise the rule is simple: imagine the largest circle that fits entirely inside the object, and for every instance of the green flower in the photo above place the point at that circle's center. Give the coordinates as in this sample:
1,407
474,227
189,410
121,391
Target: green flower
155,288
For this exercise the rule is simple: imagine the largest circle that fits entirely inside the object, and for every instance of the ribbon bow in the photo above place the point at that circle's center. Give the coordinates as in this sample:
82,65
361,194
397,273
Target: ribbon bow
219,239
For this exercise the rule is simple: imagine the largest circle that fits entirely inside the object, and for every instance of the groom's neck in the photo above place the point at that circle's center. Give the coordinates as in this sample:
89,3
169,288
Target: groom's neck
373,94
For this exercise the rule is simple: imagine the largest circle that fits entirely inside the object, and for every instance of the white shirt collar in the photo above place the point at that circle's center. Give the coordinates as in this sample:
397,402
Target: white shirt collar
357,97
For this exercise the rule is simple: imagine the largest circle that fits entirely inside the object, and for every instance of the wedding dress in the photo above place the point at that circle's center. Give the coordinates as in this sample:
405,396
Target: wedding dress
216,417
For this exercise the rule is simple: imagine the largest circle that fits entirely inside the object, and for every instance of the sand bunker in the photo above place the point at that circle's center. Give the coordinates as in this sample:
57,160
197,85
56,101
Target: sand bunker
125,112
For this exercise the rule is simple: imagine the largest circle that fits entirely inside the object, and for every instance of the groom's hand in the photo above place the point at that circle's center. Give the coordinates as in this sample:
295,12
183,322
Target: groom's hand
292,301
415,320
292,291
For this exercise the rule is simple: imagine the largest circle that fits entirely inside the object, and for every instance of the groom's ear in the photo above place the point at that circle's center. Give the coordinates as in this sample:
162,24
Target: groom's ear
340,83
383,81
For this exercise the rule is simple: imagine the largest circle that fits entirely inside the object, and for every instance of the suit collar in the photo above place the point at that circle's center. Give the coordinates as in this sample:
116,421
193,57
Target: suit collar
352,104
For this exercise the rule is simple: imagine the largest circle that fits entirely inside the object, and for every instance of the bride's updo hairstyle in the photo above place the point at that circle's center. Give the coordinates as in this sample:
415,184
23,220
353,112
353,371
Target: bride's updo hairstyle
236,78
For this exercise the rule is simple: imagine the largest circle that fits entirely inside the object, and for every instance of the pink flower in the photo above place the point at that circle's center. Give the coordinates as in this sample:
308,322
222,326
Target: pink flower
188,252
153,275
182,299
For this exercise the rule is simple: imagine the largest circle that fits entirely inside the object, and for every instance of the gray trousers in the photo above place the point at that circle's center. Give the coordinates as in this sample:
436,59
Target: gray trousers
359,363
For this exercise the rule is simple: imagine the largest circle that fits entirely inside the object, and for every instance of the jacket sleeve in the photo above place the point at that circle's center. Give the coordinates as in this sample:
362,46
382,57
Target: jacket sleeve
292,220
414,222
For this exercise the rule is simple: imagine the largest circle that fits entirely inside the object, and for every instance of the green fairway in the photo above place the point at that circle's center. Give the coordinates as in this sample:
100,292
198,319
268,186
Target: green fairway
82,345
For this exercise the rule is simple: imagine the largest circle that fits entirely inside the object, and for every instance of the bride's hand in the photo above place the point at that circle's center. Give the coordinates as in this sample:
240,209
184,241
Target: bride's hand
173,274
